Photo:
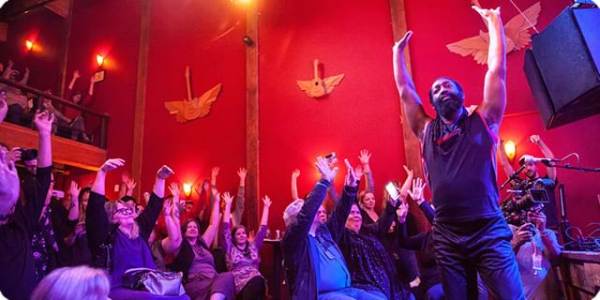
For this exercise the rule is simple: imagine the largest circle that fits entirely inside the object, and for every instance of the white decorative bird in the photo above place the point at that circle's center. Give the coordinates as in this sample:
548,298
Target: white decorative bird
516,31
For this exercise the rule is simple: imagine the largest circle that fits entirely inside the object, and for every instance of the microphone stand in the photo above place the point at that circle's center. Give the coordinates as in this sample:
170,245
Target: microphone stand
512,177
570,167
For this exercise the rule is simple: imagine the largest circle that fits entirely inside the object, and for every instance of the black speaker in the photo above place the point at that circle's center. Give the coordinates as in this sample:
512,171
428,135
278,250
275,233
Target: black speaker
563,67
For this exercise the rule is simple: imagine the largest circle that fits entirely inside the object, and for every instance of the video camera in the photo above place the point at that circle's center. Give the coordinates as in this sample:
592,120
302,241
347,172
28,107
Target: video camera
528,196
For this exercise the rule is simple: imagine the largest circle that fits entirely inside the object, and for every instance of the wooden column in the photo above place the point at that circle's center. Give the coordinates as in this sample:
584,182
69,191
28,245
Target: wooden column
252,134
412,146
140,96
65,58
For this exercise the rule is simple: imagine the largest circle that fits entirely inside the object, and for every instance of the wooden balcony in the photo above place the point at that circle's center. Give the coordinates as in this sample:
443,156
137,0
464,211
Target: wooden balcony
64,151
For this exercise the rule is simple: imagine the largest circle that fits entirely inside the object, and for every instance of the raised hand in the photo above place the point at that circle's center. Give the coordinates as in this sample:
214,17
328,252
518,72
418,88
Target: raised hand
174,188
130,184
359,172
9,181
76,74
112,164
227,198
489,16
409,172
326,172
400,45
402,212
296,173
214,172
14,154
242,172
267,201
351,178
168,207
164,172
535,139
416,193
43,122
3,106
364,157
74,190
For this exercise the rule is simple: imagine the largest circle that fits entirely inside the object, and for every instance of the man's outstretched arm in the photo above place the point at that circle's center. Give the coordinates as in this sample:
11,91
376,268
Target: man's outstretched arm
494,90
411,103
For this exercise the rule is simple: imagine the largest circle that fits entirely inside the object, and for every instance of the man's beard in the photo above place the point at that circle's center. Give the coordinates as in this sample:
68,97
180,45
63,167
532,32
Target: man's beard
448,108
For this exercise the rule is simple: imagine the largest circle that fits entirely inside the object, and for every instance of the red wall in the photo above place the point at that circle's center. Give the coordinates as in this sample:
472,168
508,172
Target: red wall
187,33
449,21
362,112
112,27
48,31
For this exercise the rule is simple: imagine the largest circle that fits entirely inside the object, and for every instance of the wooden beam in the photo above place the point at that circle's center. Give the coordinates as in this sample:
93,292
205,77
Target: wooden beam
252,134
412,145
65,59
137,155
64,151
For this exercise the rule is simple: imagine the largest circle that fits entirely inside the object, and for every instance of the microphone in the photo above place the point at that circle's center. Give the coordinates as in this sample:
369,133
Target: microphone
526,159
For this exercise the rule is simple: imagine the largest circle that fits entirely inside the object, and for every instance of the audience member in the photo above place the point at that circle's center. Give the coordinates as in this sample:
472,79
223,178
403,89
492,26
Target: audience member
537,250
194,259
314,264
242,254
18,219
81,283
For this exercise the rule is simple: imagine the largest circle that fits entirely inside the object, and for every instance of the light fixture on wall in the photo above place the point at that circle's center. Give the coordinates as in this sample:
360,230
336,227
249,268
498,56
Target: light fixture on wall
187,189
241,2
100,59
29,44
510,149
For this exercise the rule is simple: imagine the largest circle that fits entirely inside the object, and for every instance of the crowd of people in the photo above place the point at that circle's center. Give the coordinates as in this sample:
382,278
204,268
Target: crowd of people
22,105
86,246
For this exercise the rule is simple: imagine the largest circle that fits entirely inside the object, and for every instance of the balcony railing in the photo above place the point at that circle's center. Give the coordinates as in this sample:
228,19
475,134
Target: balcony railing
96,123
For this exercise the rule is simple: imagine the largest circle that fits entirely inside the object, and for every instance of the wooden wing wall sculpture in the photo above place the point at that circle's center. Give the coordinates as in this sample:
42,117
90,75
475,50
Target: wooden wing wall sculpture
318,87
516,31
193,108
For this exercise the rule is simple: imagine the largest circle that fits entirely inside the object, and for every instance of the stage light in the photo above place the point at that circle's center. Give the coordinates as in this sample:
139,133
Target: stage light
100,59
187,189
242,2
510,148
29,45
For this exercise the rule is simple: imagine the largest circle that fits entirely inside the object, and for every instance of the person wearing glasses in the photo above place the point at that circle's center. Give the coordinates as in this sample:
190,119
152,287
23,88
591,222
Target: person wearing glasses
123,245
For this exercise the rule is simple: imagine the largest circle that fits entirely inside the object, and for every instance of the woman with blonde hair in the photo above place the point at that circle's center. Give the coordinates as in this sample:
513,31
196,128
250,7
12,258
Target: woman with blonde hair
82,283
